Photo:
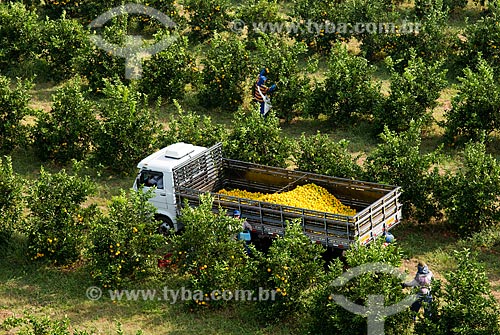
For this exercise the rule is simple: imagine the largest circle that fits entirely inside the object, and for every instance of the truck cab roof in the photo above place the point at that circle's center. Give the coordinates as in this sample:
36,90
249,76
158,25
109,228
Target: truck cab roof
169,157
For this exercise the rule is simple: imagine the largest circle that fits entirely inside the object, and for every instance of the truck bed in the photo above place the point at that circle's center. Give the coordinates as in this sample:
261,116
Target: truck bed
377,206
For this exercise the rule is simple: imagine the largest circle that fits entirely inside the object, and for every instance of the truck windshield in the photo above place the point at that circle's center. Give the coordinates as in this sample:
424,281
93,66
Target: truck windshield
151,178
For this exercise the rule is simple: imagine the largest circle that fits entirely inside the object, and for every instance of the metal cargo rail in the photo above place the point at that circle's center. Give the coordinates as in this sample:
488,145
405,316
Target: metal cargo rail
377,206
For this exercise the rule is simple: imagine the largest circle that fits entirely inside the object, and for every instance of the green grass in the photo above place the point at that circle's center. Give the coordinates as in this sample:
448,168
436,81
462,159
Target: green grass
434,244
42,290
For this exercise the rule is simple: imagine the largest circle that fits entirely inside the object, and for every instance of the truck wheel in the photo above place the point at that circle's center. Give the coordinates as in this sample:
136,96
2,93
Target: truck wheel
166,226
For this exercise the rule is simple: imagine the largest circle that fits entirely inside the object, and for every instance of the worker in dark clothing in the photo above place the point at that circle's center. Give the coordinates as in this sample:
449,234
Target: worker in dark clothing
262,92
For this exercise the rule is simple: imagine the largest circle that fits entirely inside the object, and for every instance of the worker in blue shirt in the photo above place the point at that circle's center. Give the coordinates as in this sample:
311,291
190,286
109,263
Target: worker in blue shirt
262,92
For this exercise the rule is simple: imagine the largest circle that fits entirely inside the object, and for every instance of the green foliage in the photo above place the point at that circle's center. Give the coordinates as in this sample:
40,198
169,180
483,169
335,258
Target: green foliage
476,107
491,5
470,308
13,108
226,67
61,41
292,266
281,57
369,11
453,5
398,161
168,72
427,37
320,154
470,196
258,140
58,218
44,325
11,202
313,14
326,316
425,8
348,91
124,243
98,66
207,17
360,288
35,325
128,128
413,94
481,42
320,313
258,11
67,131
192,128
20,36
86,10
209,256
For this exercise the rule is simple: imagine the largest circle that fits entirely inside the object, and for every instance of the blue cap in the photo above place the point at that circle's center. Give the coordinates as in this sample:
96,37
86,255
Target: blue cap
389,238
422,269
236,212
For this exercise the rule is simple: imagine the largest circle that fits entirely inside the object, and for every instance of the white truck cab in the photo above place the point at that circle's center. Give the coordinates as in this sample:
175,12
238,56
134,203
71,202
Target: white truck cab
156,172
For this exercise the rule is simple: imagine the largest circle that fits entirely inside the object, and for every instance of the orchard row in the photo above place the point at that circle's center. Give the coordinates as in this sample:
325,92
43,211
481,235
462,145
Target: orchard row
120,248
316,75
118,130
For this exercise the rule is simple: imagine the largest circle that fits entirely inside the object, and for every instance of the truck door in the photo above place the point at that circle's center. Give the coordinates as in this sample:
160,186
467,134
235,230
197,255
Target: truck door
152,179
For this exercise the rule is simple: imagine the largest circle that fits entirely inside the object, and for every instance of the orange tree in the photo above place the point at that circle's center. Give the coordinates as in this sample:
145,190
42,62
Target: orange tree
481,41
258,140
97,65
398,161
20,36
11,200
123,245
470,196
282,58
348,91
464,304
58,220
206,17
14,100
325,316
192,128
292,266
320,154
256,14
305,13
225,70
127,129
63,134
168,72
212,261
62,40
429,39
413,94
84,10
475,109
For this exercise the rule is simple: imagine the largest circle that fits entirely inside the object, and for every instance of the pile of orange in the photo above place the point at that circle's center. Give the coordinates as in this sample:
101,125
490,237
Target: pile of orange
310,196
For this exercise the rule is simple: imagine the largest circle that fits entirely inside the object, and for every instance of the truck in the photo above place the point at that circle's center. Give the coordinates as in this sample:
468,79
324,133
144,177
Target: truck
180,173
